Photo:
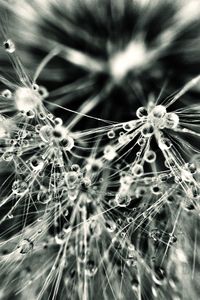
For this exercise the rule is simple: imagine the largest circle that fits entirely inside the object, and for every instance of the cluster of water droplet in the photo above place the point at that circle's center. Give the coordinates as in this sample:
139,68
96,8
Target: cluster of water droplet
83,210
157,117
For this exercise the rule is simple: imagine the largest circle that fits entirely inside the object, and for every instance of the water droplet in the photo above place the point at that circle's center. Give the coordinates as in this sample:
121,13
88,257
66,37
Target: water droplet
7,94
150,156
44,197
58,133
117,244
42,91
128,126
25,246
8,156
170,198
58,121
94,165
82,252
46,133
186,175
36,163
141,141
95,228
123,138
67,143
122,199
159,275
19,187
111,134
137,170
35,87
130,220
192,168
30,114
125,179
135,284
10,216
141,112
140,191
147,130
86,183
110,226
156,190
155,234
42,116
72,179
171,120
90,268
60,238
109,153
159,111
9,46
164,144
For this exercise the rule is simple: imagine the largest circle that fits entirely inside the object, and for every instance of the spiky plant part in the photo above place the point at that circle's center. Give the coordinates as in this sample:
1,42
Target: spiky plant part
99,144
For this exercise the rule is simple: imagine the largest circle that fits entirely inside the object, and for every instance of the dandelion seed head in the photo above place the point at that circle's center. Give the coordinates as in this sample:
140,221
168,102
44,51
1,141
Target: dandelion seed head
101,205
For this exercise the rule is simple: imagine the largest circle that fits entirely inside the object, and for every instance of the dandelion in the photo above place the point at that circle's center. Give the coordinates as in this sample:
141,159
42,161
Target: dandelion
100,202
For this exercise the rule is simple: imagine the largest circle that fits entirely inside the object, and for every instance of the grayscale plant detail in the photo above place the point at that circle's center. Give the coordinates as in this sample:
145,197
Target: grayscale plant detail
99,149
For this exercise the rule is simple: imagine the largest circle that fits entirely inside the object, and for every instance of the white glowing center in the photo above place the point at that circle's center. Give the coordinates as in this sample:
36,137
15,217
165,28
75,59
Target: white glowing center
133,56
